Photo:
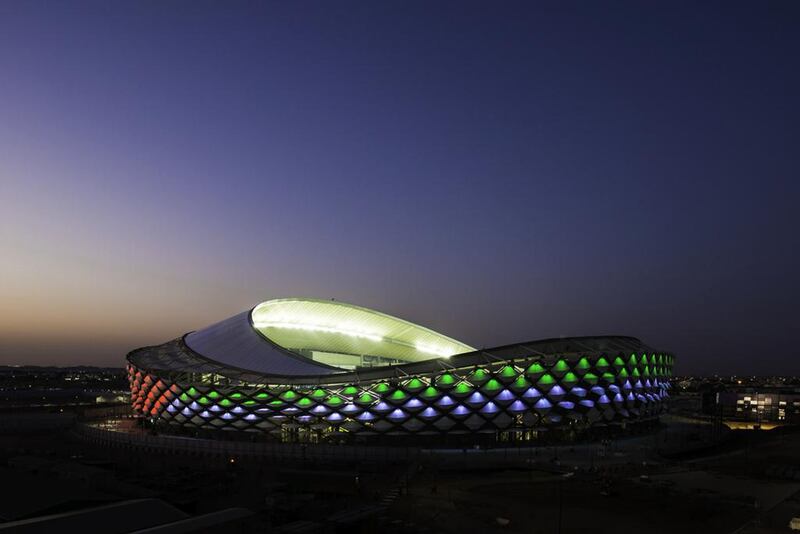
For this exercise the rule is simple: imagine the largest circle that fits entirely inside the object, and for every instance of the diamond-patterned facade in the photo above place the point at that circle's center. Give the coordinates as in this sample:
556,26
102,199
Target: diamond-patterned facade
526,392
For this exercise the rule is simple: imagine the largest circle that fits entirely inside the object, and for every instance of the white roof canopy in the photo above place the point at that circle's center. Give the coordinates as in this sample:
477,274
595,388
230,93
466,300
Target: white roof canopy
335,327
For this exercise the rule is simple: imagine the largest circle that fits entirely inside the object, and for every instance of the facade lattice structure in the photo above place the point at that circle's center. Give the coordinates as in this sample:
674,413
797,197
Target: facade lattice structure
548,383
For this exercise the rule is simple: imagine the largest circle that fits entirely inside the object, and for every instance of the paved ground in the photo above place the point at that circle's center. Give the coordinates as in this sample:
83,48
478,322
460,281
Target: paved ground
458,490
538,503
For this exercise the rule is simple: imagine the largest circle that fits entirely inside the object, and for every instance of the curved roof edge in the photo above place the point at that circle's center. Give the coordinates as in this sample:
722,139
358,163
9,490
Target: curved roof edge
235,342
177,356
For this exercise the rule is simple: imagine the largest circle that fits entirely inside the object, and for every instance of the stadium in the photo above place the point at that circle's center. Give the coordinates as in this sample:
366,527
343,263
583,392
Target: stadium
312,370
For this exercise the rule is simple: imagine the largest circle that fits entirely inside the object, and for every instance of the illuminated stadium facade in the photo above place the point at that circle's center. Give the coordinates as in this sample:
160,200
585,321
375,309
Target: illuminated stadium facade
304,369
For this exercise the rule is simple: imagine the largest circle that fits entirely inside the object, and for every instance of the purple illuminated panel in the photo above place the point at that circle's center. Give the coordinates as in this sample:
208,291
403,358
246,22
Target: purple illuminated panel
505,395
350,408
429,413
532,393
382,407
445,401
413,403
517,406
490,408
460,410
476,398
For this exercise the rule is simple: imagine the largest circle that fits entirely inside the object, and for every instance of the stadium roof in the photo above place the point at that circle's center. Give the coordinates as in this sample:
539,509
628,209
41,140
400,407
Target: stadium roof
293,340
298,336
324,325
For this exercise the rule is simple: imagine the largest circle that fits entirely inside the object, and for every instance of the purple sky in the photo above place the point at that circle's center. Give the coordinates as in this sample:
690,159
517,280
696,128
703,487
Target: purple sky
498,172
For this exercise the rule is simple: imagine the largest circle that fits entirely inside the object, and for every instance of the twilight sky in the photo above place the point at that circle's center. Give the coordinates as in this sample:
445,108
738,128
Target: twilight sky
500,172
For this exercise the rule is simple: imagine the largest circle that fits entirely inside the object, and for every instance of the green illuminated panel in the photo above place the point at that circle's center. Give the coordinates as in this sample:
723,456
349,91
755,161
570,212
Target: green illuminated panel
213,395
479,376
546,380
236,395
535,369
521,383
463,388
570,378
226,402
365,398
289,395
350,390
430,393
446,380
492,385
193,392
508,372
262,396
319,393
334,401
204,400
583,365
305,401
415,384
383,387
398,395
601,363
561,366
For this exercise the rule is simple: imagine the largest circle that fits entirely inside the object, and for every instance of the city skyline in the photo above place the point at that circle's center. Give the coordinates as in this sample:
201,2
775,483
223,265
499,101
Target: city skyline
500,175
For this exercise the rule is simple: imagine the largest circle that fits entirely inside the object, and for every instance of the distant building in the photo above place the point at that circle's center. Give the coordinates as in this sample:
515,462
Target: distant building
759,408
304,369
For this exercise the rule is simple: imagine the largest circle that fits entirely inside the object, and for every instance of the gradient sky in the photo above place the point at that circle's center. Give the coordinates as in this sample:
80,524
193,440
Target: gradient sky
500,172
